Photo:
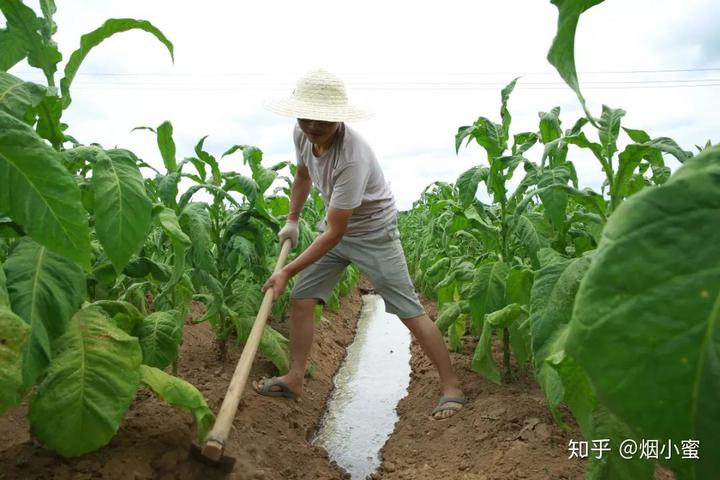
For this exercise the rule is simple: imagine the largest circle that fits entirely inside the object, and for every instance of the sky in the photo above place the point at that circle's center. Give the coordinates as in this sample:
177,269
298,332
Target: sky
423,68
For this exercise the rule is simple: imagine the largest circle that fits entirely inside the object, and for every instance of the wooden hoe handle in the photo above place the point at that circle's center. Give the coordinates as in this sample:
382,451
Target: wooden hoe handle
215,441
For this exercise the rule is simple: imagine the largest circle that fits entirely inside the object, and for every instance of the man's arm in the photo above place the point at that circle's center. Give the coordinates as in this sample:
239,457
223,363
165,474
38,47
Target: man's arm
336,225
302,184
337,220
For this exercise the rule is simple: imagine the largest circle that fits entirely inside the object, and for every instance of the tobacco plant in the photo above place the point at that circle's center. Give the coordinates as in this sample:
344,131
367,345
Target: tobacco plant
72,220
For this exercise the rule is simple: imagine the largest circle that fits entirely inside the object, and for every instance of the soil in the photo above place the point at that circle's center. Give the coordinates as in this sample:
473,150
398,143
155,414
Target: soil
503,432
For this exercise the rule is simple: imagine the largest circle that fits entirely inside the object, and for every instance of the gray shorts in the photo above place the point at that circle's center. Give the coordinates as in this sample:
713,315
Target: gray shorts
380,256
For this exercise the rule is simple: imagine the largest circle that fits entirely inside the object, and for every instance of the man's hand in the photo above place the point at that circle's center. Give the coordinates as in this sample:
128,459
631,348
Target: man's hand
291,231
278,282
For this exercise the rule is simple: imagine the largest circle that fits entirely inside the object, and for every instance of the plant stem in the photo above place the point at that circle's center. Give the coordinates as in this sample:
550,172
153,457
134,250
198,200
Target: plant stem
507,376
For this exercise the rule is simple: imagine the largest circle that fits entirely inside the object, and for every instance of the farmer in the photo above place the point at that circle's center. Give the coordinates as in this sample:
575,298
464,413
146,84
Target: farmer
360,227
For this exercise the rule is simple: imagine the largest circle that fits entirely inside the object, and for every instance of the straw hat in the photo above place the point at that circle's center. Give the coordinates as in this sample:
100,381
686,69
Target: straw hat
319,95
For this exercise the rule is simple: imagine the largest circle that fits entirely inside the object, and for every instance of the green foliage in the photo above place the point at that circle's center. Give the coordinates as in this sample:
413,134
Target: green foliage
661,320
14,334
45,289
94,38
27,36
82,225
180,393
92,380
160,334
39,194
551,304
624,336
122,208
18,96
562,51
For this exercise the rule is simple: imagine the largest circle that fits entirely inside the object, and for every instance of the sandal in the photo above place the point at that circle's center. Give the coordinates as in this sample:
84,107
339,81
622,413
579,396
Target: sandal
268,383
448,403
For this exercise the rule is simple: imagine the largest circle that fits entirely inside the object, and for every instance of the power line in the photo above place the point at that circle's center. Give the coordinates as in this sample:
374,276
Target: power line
219,74
130,87
407,84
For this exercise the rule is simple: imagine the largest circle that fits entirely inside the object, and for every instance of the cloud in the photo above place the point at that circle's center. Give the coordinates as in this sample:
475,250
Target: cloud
424,70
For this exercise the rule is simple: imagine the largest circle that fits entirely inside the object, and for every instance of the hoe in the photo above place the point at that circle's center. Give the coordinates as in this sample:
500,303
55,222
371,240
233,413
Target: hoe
213,450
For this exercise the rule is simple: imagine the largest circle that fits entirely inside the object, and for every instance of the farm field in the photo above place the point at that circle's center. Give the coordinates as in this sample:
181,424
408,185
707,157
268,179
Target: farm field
582,317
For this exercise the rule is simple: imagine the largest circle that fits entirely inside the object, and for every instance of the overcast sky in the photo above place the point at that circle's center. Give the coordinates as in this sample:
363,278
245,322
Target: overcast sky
423,68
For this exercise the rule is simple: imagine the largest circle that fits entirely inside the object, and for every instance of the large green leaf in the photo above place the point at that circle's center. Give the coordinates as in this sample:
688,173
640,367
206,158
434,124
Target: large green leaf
18,96
595,421
90,384
217,192
510,316
160,334
179,393
4,297
49,9
504,112
467,183
482,361
167,220
122,208
45,290
487,134
252,156
506,316
242,184
14,333
204,158
24,31
92,39
550,125
141,267
195,222
125,315
166,144
168,188
275,348
610,130
554,197
522,142
551,303
39,193
579,139
272,344
455,333
49,126
12,49
529,237
487,292
630,159
560,377
646,320
562,51
449,313
519,285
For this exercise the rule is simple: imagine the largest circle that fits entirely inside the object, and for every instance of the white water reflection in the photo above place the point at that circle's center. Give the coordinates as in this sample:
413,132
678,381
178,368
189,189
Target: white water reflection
372,380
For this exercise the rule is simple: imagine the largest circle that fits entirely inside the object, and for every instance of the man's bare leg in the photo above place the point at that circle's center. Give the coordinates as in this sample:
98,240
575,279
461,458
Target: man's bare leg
302,326
432,343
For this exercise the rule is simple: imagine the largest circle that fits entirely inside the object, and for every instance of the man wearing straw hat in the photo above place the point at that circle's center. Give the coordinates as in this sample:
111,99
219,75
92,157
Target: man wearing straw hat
360,227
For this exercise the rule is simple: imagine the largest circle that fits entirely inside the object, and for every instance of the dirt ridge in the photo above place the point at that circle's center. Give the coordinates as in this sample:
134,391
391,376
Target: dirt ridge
504,432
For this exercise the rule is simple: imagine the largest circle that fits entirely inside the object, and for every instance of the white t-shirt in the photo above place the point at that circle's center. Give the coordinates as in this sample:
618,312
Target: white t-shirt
349,177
